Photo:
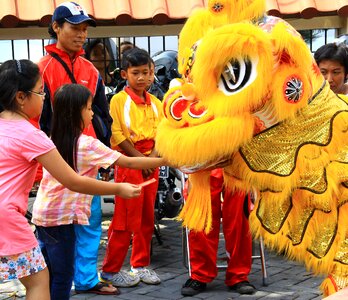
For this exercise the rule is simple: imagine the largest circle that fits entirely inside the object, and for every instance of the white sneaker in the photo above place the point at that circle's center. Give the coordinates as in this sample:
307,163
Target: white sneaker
121,279
147,276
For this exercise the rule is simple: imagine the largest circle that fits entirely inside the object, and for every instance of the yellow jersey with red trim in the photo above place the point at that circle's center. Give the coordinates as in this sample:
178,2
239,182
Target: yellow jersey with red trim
134,119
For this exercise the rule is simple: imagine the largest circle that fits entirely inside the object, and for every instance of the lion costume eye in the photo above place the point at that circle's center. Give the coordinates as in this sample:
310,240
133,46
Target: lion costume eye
236,75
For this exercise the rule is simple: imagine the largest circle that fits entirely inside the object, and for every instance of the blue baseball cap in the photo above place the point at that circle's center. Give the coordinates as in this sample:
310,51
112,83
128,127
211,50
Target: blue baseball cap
72,13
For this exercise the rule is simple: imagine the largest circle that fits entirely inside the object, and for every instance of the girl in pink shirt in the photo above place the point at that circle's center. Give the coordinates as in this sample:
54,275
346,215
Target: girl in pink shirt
56,208
22,147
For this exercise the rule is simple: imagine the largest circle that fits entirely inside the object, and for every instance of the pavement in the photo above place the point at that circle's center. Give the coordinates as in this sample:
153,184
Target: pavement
286,280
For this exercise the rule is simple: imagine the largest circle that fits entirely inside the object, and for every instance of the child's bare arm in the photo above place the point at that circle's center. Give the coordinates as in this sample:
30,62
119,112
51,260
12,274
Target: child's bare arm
140,162
57,166
147,172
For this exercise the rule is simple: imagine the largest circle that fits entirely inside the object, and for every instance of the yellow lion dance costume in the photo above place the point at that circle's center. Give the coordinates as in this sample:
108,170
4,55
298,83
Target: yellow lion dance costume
251,93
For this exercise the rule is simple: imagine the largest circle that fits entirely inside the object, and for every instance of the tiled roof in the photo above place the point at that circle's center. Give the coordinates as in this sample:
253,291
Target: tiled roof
19,13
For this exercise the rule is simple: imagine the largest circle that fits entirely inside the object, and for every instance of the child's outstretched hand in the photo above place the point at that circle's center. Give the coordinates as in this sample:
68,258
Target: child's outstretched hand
128,190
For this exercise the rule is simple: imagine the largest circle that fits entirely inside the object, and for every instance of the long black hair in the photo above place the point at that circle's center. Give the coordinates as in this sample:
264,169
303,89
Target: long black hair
16,75
69,101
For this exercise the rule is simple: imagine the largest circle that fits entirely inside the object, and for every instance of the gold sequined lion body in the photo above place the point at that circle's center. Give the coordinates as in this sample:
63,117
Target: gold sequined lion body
251,93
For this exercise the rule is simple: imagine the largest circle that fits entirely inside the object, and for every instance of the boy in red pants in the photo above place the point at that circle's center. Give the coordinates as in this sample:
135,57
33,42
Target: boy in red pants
233,212
135,114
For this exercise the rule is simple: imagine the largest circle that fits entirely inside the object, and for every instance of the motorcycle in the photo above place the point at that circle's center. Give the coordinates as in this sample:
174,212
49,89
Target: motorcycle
169,199
169,194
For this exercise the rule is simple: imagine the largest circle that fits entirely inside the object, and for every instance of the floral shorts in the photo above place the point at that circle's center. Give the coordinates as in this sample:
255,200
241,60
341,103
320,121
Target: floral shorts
21,265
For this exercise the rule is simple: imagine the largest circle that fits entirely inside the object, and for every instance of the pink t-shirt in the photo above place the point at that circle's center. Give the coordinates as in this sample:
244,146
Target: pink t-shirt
20,144
56,205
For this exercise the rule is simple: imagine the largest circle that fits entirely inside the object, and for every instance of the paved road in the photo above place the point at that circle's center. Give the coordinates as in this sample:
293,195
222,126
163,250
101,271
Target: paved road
286,280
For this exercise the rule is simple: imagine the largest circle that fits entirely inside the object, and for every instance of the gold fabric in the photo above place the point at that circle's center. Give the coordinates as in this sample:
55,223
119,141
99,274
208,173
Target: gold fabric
272,214
341,281
342,253
298,229
306,162
276,149
322,240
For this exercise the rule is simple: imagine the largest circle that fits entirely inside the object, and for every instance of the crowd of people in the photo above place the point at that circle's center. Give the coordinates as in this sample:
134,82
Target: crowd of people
77,135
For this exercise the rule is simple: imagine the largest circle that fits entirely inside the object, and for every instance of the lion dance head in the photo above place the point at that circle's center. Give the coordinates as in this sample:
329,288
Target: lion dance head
251,95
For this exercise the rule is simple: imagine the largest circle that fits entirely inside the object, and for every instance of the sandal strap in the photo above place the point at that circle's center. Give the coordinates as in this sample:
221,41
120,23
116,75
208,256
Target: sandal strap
100,285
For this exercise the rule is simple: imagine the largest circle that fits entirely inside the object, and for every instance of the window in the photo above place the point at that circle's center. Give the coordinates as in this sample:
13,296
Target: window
315,38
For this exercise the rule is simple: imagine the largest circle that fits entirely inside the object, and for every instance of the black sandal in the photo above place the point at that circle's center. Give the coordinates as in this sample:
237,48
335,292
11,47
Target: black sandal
97,289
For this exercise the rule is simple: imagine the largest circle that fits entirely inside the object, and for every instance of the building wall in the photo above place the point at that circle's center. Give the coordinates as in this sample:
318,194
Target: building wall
152,30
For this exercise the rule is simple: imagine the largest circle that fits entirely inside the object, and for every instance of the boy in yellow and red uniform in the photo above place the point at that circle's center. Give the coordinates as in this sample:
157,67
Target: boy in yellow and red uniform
136,114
